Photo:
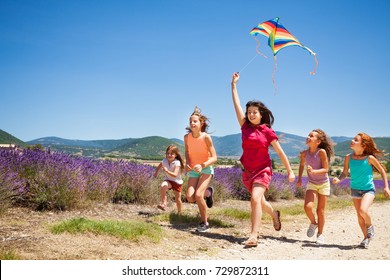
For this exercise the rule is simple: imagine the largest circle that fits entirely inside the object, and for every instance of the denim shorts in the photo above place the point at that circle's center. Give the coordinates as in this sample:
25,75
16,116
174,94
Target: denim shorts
206,170
360,193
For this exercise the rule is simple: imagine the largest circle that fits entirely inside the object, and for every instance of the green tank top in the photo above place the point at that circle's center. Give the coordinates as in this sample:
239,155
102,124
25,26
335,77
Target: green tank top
361,174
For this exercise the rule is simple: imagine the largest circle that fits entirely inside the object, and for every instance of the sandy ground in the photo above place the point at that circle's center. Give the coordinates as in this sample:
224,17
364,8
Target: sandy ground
25,233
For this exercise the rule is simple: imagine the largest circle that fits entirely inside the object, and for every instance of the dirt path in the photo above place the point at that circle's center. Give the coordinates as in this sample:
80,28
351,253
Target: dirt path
25,233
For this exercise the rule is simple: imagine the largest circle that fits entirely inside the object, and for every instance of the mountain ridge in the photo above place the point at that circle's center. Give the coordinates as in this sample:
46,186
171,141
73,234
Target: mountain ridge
154,146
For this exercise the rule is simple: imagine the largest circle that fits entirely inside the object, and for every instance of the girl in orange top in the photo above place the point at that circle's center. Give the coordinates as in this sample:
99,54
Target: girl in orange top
200,155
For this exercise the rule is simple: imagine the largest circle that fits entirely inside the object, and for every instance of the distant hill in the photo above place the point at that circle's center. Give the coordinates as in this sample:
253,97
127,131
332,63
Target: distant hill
148,147
153,147
98,144
342,149
230,145
339,139
6,138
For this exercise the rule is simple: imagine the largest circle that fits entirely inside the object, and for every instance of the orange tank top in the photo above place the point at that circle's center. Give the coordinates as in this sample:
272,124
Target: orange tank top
198,150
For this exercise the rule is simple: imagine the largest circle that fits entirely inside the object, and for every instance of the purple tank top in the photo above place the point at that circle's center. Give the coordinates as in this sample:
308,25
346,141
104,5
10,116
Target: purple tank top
314,161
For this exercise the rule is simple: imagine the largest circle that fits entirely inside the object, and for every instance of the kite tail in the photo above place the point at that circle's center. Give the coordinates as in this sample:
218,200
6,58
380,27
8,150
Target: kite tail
257,48
315,68
315,59
273,75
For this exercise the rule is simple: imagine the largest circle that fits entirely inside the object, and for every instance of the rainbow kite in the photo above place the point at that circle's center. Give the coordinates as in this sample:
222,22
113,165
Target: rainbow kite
278,38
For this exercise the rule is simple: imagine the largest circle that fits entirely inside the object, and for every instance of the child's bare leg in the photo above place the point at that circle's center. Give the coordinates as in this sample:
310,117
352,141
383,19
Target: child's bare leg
361,207
362,224
256,208
310,197
178,201
322,199
192,183
203,183
163,192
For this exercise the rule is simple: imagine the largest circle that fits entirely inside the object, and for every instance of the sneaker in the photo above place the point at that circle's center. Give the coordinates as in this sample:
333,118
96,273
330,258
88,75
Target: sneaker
311,230
364,243
202,227
320,239
370,232
210,199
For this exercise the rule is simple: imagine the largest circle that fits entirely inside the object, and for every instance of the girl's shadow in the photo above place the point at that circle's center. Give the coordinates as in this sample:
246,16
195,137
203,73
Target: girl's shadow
307,243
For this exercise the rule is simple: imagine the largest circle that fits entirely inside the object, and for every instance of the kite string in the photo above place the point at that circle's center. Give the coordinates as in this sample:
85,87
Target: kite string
258,52
248,63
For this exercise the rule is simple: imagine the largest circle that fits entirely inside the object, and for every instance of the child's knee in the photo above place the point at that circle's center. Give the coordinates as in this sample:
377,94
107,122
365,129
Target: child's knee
190,198
309,206
363,212
198,196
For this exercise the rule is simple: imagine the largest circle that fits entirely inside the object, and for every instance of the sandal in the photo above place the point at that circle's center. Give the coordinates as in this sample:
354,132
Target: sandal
161,207
251,242
277,222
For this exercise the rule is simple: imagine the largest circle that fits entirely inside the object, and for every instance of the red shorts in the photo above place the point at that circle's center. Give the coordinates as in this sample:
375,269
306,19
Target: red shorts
262,177
174,186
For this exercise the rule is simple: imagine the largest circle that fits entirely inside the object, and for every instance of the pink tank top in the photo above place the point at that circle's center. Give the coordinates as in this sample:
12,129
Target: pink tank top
198,150
314,161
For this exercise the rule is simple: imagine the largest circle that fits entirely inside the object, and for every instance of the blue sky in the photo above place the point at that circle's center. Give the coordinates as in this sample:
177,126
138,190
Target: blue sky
128,69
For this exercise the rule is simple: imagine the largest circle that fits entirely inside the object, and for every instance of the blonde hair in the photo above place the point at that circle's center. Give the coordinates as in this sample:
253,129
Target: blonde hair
202,118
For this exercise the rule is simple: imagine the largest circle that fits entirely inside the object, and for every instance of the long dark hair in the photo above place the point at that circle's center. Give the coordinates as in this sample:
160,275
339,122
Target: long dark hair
267,117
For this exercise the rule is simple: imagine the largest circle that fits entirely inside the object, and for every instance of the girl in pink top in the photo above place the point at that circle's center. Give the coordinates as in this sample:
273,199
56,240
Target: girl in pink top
200,156
257,136
316,158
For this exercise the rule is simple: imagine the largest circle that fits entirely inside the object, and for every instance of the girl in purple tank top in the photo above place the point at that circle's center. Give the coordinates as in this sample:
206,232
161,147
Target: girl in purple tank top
316,159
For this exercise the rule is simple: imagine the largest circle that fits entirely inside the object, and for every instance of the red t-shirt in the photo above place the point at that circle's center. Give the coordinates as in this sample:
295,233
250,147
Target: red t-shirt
255,143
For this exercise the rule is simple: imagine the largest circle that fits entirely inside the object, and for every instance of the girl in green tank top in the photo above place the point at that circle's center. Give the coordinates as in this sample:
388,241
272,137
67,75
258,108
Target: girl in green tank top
360,164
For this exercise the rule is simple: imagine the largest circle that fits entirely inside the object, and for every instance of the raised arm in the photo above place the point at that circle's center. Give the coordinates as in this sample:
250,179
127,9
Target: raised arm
236,100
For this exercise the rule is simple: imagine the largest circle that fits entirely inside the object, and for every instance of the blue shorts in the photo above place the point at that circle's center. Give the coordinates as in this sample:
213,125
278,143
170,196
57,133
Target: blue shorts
206,170
360,193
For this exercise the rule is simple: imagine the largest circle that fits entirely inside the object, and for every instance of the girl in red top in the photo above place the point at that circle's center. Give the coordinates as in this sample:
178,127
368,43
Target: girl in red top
257,136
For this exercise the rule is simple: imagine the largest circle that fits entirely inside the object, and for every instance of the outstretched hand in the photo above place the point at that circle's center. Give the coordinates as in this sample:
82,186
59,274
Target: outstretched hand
387,192
291,177
235,78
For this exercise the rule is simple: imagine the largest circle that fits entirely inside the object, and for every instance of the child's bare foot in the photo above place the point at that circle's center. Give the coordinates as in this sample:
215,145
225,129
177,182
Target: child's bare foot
162,207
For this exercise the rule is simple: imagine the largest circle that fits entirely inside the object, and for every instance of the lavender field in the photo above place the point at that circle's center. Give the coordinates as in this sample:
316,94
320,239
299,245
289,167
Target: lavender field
47,180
